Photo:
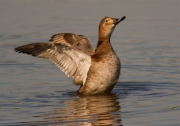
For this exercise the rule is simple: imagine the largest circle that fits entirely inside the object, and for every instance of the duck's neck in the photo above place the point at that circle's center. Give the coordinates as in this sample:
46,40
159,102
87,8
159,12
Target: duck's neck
104,45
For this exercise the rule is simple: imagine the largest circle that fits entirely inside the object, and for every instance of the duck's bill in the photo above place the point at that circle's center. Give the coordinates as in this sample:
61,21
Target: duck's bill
117,20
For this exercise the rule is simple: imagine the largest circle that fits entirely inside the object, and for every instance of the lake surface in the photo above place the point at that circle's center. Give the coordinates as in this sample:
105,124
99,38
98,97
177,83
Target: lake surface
35,92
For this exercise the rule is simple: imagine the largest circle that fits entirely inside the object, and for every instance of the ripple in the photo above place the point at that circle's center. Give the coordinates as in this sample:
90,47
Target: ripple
148,98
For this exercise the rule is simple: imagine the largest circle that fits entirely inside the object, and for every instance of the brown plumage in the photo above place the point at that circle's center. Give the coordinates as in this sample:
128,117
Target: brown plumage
97,71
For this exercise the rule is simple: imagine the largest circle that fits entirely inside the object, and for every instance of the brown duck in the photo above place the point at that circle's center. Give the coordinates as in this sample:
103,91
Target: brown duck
95,70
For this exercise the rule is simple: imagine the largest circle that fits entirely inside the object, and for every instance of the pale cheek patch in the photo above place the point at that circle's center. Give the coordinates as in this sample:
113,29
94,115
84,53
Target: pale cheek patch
108,29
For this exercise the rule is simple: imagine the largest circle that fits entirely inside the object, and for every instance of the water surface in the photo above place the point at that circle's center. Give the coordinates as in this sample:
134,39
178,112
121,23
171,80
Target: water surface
35,92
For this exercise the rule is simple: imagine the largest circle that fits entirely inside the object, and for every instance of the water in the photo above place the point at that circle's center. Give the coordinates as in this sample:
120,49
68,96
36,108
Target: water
35,92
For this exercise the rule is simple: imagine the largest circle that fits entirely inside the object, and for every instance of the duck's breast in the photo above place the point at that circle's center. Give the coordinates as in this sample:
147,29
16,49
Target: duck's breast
103,74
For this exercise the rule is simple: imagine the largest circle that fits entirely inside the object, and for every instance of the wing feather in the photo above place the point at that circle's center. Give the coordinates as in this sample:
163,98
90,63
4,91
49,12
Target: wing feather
72,62
79,42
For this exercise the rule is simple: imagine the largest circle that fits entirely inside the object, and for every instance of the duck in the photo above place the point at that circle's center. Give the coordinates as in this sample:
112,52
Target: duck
96,71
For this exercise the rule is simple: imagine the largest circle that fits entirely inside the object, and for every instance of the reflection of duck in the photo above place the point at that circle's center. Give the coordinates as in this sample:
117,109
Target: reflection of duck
88,111
96,71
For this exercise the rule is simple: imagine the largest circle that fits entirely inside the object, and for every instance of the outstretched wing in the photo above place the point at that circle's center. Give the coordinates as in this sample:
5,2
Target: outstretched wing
79,42
72,62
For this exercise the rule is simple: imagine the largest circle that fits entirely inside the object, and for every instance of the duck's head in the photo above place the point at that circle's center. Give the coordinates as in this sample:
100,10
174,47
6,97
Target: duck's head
107,25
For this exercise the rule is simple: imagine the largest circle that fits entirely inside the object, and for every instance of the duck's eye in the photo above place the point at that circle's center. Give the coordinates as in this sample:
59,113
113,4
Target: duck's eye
106,20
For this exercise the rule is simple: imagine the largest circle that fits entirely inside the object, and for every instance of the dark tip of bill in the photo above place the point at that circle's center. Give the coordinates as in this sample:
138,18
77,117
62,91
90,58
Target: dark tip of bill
122,18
